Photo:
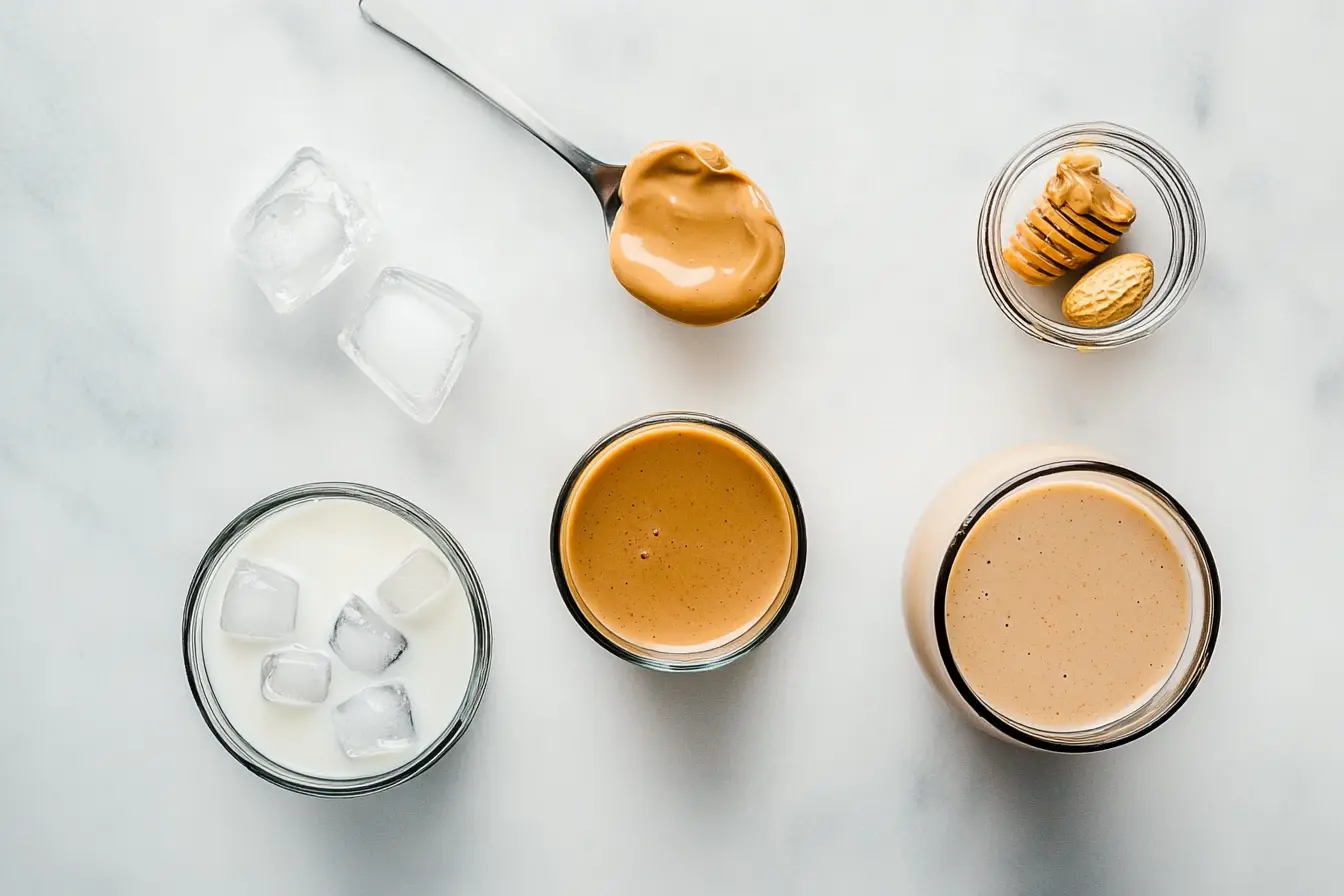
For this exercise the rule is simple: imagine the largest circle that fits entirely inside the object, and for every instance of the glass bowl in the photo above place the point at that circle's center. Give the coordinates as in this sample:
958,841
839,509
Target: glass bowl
1151,176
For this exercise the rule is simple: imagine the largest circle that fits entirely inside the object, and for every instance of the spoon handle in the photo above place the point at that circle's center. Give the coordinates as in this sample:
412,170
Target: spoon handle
393,17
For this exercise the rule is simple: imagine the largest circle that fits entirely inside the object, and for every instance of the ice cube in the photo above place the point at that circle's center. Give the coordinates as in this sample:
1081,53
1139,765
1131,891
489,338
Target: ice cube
365,641
422,577
412,339
259,602
303,230
295,675
375,720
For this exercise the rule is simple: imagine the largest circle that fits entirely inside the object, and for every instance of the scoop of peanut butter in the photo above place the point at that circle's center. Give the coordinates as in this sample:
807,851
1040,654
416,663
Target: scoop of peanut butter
1079,185
695,239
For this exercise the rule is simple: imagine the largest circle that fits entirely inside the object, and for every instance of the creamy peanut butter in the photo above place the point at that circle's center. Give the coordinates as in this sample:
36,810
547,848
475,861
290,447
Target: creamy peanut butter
1079,185
695,239
678,537
1077,217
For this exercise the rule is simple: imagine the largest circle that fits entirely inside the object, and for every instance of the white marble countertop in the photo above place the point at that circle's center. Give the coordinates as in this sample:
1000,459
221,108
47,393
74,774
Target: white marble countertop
149,393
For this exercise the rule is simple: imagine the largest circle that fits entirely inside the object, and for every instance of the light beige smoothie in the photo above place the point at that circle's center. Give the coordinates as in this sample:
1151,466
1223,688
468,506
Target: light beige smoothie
1059,601
1068,605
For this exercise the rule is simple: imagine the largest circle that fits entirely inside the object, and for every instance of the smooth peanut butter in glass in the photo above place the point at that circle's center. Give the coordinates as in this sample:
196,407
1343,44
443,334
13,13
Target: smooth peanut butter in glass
678,537
695,239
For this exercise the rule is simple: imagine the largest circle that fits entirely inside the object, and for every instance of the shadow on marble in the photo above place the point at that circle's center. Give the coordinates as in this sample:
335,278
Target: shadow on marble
696,720
1047,806
378,841
705,358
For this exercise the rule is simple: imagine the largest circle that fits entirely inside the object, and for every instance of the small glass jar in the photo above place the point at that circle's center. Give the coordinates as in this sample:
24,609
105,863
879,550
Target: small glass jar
720,654
198,675
945,526
1152,178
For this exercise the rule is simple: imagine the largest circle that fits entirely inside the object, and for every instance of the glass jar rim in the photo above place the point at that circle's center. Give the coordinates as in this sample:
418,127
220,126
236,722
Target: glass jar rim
198,677
734,649
1184,213
1208,635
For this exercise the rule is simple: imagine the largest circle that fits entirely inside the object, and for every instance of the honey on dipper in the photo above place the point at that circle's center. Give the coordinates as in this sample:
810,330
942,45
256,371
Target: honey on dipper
1078,216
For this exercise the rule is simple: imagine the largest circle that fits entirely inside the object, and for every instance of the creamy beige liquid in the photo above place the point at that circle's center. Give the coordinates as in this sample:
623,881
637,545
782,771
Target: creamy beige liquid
678,537
1067,606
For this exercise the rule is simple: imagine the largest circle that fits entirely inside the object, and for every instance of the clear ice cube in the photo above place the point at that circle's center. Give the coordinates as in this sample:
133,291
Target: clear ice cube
365,641
296,676
259,602
421,578
412,339
303,230
375,720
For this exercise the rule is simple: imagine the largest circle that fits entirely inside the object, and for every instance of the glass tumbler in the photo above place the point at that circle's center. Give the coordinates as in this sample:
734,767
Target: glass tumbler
943,530
205,693
717,652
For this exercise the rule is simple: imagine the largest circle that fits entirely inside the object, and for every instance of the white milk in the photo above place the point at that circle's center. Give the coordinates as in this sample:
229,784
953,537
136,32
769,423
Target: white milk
336,547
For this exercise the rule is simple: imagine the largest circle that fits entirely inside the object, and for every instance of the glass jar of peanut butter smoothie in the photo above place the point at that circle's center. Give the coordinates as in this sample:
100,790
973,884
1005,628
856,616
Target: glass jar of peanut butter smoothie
678,542
1060,601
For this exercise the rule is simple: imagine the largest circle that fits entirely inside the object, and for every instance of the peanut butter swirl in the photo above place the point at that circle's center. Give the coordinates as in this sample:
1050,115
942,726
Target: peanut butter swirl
695,239
1079,185
1078,216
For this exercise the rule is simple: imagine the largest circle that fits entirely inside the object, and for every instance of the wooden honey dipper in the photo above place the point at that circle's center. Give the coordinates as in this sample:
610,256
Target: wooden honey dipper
1078,216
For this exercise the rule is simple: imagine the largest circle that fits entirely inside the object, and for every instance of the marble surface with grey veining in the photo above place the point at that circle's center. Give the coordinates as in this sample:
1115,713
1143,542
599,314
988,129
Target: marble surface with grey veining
148,393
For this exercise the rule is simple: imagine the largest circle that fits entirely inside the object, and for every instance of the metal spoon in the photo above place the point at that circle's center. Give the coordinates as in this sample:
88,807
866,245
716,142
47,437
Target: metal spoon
604,179
394,18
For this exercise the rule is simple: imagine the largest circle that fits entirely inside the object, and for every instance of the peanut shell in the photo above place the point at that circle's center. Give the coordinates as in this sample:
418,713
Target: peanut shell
1110,292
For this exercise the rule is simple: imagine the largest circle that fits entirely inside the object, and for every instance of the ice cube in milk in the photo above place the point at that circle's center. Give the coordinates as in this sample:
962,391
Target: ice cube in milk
375,720
338,651
259,602
365,641
295,675
421,578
